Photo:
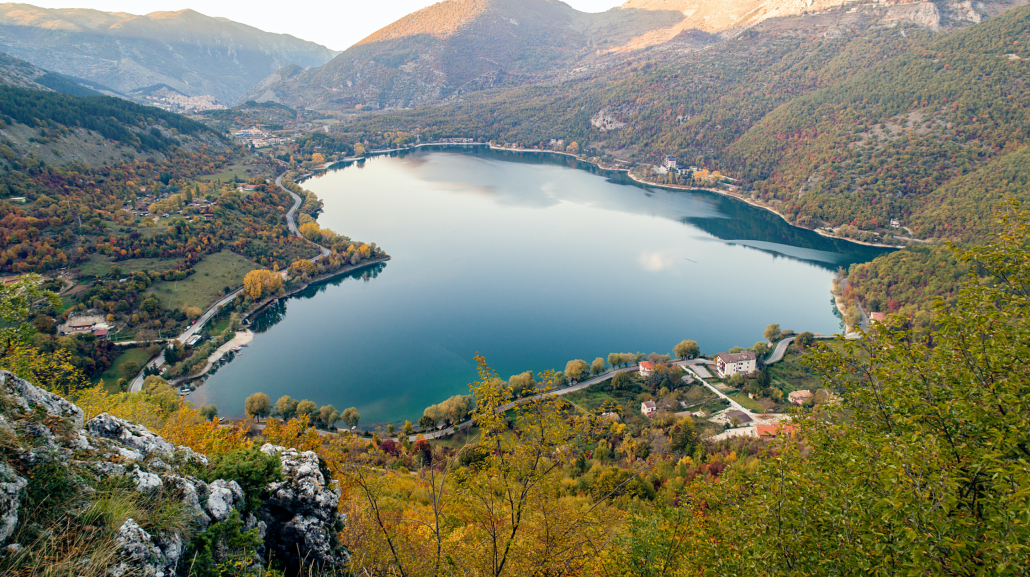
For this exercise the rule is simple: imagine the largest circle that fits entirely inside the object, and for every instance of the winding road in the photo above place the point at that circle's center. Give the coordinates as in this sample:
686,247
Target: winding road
137,383
778,352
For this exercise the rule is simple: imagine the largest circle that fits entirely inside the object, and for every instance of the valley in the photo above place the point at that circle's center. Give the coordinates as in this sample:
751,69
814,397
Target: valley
810,213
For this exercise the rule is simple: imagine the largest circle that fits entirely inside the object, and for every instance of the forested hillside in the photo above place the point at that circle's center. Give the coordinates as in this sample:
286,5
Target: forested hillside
829,121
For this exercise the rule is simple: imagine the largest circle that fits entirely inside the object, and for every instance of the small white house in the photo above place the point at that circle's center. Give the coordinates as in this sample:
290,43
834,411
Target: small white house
649,408
729,364
645,369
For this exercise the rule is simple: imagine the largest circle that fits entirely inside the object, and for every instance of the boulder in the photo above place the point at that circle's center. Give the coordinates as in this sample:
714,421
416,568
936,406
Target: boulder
300,515
223,497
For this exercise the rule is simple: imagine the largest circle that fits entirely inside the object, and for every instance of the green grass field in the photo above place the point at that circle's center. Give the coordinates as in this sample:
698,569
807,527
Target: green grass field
100,265
201,289
110,377
792,372
745,401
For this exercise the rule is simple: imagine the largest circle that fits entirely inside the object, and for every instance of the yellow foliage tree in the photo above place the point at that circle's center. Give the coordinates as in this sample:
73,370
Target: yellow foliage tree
318,157
52,371
295,433
311,231
261,282
186,427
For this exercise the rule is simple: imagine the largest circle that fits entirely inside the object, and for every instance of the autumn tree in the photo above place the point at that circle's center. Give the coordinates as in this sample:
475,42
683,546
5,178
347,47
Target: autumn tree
522,382
306,408
350,417
687,350
286,407
575,369
772,332
259,283
597,367
257,406
922,466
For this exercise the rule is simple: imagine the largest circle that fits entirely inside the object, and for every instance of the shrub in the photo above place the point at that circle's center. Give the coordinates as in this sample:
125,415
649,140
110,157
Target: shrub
251,468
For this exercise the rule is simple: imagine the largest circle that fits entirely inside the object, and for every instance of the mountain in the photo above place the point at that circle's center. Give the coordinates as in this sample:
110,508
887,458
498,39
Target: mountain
187,51
847,119
460,46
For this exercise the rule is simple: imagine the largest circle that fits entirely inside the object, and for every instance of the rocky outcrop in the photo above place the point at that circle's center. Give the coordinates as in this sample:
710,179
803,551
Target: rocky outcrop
301,515
299,521
11,486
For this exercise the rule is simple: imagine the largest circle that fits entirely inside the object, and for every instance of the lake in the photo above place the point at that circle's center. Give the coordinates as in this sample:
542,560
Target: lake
531,261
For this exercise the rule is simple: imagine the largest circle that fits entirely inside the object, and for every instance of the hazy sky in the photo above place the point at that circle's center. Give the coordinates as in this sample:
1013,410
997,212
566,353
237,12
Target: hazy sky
334,24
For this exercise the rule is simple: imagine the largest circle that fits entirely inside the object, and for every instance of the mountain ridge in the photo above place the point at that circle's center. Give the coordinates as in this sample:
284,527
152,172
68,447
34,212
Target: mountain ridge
189,51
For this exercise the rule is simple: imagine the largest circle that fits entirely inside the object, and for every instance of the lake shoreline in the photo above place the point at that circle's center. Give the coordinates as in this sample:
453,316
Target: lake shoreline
599,166
263,304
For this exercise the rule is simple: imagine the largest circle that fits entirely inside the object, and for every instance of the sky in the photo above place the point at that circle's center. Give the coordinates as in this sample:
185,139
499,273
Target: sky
336,24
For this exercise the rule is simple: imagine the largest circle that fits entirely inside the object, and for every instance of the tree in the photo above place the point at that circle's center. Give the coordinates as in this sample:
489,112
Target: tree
305,408
614,360
522,382
923,461
407,428
804,340
426,422
191,312
597,367
208,412
17,300
621,381
260,283
328,416
257,406
286,407
174,352
129,369
350,417
772,332
687,350
575,369
761,349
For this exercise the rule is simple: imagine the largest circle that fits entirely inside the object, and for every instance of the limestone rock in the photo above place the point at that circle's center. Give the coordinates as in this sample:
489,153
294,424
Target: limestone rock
137,437
145,481
300,514
140,555
30,396
223,497
11,486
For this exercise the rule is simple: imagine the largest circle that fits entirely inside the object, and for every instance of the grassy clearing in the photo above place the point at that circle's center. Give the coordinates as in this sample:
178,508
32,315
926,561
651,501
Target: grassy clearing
100,265
748,403
109,378
793,373
202,288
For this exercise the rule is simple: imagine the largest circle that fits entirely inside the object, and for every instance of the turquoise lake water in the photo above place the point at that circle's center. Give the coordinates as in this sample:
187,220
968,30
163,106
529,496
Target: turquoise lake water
532,262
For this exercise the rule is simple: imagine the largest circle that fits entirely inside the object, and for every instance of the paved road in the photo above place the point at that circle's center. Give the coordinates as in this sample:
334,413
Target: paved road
781,348
297,201
137,383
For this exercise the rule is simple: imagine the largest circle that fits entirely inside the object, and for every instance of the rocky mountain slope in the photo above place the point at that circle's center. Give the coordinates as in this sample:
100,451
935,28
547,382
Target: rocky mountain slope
461,47
131,503
188,51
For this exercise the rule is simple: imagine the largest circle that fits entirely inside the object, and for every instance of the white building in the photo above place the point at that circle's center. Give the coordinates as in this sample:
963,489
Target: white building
649,408
670,162
728,364
645,368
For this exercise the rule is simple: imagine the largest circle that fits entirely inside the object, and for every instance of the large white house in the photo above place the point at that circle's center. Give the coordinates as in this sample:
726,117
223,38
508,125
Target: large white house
729,364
